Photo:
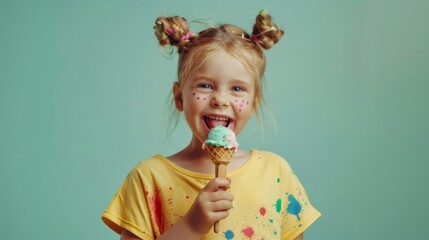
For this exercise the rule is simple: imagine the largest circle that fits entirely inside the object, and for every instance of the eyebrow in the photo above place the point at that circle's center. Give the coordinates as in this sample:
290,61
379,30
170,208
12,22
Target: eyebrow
235,81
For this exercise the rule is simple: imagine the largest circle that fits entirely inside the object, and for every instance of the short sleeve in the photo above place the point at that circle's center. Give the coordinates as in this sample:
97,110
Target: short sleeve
129,209
298,213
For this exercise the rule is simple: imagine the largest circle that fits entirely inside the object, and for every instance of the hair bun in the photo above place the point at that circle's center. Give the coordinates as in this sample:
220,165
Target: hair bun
265,32
172,31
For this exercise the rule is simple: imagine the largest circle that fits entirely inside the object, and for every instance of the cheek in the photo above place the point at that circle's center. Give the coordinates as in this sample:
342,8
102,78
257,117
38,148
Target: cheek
198,97
242,104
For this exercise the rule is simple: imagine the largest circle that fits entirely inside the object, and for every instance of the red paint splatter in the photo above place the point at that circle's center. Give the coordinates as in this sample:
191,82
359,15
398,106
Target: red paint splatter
248,232
157,209
262,211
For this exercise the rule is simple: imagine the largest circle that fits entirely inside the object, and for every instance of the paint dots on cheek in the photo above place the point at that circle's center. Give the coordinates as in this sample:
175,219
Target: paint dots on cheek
241,104
198,97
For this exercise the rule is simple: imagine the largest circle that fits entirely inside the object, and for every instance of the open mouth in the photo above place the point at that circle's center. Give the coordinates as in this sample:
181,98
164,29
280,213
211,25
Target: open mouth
214,121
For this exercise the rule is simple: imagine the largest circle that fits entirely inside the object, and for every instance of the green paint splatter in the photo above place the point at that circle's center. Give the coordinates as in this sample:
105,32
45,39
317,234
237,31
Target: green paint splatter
271,220
278,180
279,205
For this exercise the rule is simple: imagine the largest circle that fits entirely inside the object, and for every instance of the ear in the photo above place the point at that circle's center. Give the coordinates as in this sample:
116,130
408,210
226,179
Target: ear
177,95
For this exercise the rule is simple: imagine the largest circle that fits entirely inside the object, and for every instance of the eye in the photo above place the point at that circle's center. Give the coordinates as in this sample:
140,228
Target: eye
204,85
237,89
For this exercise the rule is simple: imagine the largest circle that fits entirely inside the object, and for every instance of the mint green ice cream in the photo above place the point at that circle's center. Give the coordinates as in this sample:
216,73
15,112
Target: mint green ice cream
221,136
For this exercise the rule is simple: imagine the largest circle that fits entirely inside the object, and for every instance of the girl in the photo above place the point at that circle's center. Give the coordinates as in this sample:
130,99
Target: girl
219,83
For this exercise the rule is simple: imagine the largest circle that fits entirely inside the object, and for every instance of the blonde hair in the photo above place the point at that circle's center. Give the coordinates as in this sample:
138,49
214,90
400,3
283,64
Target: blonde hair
194,49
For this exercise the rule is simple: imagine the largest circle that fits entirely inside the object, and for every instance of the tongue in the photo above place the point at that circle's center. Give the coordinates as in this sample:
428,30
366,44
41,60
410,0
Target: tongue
211,123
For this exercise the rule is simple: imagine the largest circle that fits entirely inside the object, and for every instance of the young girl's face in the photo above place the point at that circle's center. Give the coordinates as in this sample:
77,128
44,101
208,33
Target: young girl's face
220,93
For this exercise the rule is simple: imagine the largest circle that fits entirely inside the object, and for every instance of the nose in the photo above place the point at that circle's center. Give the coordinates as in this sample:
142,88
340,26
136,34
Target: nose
219,99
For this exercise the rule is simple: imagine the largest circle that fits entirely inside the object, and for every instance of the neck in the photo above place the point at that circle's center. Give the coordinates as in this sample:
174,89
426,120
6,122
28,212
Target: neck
194,158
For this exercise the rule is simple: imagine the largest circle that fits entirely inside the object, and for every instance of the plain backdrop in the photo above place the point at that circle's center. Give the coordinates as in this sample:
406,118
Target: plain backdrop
84,88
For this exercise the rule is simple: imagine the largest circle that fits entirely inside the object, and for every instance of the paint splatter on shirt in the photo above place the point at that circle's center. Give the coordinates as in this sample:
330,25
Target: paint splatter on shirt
268,204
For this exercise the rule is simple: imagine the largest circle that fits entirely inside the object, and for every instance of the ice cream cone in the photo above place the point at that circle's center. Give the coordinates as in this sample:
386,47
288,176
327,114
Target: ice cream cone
220,155
221,144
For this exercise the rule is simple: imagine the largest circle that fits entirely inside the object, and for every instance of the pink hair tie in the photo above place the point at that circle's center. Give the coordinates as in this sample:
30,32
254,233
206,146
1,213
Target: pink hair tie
255,38
186,36
169,30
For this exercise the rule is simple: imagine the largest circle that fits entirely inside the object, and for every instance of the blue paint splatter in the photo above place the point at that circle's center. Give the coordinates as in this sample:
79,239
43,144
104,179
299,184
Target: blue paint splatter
229,234
294,207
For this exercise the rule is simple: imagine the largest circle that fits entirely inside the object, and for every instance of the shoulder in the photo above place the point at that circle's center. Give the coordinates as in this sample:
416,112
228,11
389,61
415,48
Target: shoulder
272,159
148,166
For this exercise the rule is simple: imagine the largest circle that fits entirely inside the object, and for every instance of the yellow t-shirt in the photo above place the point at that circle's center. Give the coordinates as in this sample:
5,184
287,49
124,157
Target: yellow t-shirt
269,200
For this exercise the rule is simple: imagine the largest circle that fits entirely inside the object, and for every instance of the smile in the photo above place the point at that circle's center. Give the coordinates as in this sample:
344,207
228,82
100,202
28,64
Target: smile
213,121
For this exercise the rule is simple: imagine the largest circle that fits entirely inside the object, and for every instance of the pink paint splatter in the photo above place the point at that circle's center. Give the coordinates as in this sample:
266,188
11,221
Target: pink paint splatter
248,232
262,211
157,209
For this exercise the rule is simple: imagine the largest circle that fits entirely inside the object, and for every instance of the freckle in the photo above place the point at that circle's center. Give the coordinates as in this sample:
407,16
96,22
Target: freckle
247,103
239,110
187,197
193,93
198,98
236,100
204,99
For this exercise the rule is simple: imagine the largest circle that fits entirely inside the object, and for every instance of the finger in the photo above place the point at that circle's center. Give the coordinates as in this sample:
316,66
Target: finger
219,215
223,205
229,180
221,195
217,183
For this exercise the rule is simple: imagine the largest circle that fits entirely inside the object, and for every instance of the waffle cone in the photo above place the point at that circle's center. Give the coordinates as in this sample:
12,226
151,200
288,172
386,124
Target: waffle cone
220,155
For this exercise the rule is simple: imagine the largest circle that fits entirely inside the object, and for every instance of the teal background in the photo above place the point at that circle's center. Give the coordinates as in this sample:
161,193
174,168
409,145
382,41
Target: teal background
84,87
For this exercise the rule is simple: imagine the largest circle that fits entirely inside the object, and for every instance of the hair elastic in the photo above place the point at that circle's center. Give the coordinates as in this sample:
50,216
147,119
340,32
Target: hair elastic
186,36
255,38
169,30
